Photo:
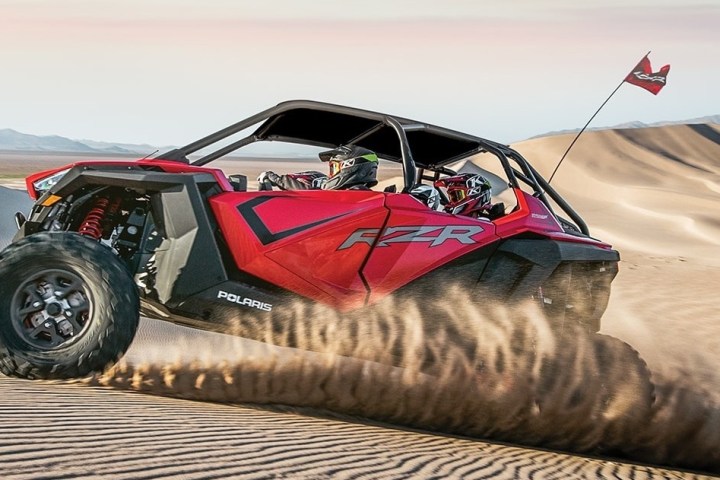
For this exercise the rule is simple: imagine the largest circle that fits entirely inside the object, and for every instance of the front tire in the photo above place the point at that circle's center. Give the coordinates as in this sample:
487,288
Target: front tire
68,307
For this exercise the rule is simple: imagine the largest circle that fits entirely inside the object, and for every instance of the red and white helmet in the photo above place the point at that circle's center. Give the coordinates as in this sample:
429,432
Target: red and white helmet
468,193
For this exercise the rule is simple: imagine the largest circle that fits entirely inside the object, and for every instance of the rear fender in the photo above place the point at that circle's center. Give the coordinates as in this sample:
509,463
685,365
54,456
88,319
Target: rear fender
521,265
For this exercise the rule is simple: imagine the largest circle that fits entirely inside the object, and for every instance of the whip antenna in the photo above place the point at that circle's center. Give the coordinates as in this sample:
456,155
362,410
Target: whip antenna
150,154
641,76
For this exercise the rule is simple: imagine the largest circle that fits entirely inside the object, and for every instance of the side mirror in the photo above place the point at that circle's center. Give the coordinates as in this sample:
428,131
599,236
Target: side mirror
238,182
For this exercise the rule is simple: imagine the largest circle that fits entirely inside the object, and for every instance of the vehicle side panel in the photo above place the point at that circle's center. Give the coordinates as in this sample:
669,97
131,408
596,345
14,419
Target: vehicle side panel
417,240
292,239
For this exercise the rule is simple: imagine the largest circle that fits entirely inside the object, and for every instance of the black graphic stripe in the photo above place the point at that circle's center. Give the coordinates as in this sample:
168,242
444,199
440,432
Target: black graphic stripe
266,237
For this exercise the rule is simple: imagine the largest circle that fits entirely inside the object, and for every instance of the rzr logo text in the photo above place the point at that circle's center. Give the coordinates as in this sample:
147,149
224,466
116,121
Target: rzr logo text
435,235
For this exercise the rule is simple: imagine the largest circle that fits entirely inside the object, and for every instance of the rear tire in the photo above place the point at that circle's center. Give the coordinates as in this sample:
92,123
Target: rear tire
628,392
577,293
68,307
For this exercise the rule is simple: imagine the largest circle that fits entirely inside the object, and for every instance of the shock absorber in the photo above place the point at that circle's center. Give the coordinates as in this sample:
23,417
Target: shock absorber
113,208
92,224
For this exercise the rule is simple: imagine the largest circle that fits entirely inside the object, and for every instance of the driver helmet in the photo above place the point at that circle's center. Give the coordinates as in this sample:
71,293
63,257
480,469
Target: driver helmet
350,167
468,193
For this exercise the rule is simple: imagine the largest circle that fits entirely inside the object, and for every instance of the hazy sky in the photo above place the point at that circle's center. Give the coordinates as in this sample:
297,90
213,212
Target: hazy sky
169,71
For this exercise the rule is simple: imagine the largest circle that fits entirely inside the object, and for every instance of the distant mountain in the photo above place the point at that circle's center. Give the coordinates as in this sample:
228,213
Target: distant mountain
17,141
636,124
13,140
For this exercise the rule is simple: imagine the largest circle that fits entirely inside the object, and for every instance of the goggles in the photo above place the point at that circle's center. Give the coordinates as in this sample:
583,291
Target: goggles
457,195
335,167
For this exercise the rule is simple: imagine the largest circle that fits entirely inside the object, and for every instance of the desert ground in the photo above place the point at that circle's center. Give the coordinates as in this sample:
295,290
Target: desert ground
189,404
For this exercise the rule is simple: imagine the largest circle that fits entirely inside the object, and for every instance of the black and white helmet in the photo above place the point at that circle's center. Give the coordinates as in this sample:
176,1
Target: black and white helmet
427,194
350,166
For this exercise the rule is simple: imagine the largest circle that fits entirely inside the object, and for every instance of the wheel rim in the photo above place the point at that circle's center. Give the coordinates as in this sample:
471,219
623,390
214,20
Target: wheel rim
51,309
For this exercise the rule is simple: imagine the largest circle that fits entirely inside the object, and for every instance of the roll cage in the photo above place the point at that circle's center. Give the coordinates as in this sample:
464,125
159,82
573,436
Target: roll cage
419,147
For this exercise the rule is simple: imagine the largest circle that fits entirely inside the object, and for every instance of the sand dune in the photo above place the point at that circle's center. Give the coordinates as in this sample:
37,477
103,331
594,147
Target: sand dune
654,193
651,190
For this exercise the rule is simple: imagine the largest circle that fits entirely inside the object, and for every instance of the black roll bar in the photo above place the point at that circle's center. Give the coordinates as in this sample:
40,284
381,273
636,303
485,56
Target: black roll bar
401,127
409,171
180,154
560,201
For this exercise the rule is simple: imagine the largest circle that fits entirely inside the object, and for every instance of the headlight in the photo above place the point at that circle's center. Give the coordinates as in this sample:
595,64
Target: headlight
43,185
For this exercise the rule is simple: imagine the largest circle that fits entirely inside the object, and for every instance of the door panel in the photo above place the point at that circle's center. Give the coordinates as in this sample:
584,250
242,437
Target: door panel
291,239
417,240
342,248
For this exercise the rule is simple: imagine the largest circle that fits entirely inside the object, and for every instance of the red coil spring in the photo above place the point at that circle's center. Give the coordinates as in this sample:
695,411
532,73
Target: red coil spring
91,226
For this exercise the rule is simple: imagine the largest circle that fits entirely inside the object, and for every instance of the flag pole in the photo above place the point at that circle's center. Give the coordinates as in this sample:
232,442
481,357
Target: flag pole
588,123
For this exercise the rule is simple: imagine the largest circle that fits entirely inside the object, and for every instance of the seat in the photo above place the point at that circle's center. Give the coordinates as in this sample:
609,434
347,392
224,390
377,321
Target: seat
496,211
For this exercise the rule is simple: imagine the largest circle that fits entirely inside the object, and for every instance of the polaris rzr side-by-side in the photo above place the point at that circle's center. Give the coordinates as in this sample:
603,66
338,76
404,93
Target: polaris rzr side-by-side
180,241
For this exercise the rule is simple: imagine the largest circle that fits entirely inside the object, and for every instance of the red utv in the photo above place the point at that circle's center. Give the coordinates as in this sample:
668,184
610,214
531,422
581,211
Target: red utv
179,241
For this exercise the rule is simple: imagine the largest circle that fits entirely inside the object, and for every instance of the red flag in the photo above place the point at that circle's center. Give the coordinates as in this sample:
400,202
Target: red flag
643,76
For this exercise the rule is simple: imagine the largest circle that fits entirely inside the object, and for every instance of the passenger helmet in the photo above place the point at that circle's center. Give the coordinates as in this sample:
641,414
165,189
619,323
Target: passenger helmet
350,166
468,193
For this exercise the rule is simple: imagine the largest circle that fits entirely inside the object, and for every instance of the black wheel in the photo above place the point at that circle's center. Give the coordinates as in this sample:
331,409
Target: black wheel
68,307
